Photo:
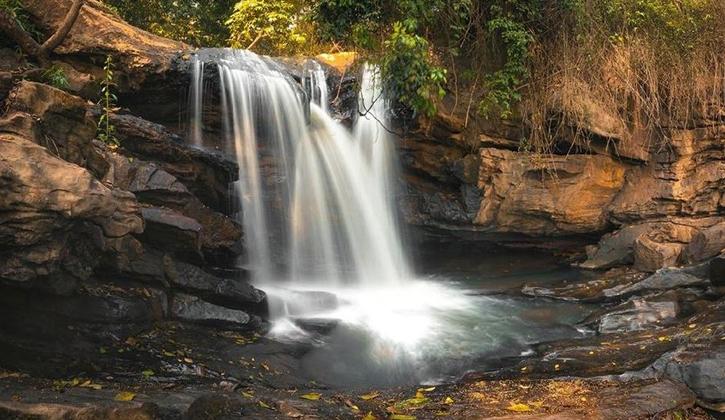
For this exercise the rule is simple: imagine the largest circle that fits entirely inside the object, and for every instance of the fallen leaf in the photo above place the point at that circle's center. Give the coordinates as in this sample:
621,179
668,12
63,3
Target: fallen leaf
247,394
370,396
352,406
401,417
264,405
448,401
312,396
369,416
520,408
148,373
429,389
124,396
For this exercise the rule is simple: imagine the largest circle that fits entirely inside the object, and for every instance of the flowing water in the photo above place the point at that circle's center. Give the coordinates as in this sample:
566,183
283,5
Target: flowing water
318,208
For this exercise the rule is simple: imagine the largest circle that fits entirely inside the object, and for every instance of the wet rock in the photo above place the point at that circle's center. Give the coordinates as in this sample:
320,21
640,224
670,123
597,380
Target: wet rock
590,290
615,248
650,400
195,310
217,406
662,279
57,219
317,325
18,410
701,369
549,195
234,293
717,271
638,314
172,231
206,175
220,236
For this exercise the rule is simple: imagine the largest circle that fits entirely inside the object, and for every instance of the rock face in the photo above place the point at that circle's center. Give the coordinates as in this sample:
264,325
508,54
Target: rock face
657,198
92,236
540,195
56,218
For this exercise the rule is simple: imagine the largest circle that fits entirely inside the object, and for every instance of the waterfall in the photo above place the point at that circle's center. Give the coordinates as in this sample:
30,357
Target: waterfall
196,96
316,201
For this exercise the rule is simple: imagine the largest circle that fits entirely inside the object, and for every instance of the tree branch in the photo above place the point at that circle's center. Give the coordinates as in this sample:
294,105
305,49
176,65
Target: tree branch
10,26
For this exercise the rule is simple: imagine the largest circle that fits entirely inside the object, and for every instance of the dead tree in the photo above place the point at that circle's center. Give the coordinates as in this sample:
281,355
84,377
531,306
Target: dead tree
10,27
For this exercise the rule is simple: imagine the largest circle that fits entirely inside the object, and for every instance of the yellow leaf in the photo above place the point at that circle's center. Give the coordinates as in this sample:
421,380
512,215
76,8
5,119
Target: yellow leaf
370,396
448,401
518,407
369,416
401,417
125,396
247,394
313,396
264,405
419,395
429,389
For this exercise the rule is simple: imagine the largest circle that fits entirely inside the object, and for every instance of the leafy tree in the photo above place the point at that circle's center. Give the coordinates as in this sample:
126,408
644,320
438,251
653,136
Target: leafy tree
199,23
267,26
407,70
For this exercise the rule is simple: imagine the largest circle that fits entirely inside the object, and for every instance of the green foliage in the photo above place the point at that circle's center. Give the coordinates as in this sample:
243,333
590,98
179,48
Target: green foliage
106,130
15,9
55,76
267,26
348,21
677,24
502,85
407,71
199,23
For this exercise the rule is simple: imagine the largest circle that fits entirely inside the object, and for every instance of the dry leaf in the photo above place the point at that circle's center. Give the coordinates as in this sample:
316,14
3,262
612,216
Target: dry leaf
124,396
312,396
370,396
520,408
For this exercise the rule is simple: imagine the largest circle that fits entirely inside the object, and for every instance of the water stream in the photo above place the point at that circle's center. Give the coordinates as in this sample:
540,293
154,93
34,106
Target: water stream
318,208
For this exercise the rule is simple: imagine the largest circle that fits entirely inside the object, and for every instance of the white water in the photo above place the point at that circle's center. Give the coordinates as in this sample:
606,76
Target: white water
196,97
318,210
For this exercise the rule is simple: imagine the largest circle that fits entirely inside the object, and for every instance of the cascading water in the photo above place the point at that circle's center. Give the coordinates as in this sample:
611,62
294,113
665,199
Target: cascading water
317,206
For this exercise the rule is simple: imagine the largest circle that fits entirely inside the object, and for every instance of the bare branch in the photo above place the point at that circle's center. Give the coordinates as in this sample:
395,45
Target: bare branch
57,38
10,26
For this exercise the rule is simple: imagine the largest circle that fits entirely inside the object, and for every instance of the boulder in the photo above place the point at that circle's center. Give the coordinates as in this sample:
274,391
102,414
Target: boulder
616,248
172,231
195,310
220,236
546,195
57,219
638,314
232,293
140,57
706,243
701,369
662,279
56,120
650,256
204,174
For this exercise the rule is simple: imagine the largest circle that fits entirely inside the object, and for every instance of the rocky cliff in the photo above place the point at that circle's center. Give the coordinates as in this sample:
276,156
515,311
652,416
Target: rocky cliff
652,200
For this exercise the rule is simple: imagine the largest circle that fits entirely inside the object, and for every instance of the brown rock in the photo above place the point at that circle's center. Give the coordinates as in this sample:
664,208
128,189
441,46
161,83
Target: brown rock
706,243
56,120
650,255
549,195
97,33
56,218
